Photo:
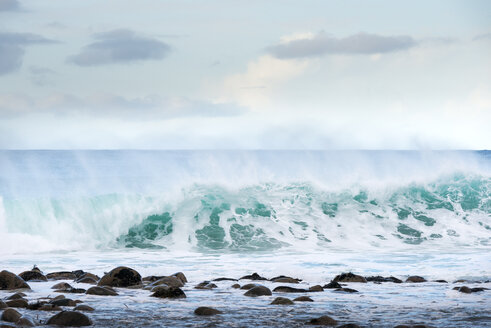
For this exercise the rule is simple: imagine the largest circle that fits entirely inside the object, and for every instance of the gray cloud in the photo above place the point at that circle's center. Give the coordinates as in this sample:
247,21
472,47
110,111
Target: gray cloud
485,36
12,49
41,76
9,5
323,43
120,46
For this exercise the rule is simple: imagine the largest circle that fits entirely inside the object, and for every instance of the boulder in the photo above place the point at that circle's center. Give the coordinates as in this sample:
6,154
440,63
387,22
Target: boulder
86,280
169,281
18,303
61,275
180,276
224,279
101,291
63,302
415,279
121,277
72,291
168,292
349,277
383,279
286,280
69,318
442,281
258,291
204,310
282,301
253,276
323,321
2,305
24,322
62,286
205,285
288,289
249,286
236,286
303,299
33,275
9,281
16,296
10,315
316,288
332,285
88,275
83,307
346,290
49,307
464,289
349,325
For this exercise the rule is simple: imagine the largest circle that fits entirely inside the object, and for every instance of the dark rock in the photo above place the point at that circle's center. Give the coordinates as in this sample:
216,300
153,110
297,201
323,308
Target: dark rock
316,288
35,305
49,307
286,280
152,278
346,290
88,275
168,292
86,280
16,296
83,307
478,289
9,280
249,286
169,281
442,281
78,273
35,268
24,322
282,301
33,275
64,302
18,303
62,286
332,285
204,310
258,291
69,318
413,326
349,277
121,277
415,279
205,285
466,290
323,321
253,276
101,291
180,276
349,325
236,286
383,279
2,305
10,315
59,297
72,291
224,279
288,289
303,299
61,275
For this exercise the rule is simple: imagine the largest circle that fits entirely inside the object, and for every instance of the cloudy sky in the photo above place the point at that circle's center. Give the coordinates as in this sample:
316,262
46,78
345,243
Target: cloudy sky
245,74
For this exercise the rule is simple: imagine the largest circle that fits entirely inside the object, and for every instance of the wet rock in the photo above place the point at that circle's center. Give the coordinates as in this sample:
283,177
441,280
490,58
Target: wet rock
249,286
349,325
121,277
70,318
152,278
253,276
169,281
236,286
78,273
349,277
2,305
288,289
316,288
64,302
323,321
9,281
168,292
303,299
204,310
282,301
84,307
466,290
35,305
33,275
258,291
332,285
61,275
16,296
180,276
205,285
346,290
24,322
415,279
17,303
88,275
49,307
59,297
383,279
286,280
224,279
101,291
10,315
86,280
442,281
62,286
413,326
72,291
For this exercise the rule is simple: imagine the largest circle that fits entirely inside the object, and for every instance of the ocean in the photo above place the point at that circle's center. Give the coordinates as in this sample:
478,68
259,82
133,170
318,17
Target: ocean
308,214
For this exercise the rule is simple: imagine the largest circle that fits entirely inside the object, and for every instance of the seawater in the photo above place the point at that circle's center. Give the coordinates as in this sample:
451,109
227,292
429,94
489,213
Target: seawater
308,214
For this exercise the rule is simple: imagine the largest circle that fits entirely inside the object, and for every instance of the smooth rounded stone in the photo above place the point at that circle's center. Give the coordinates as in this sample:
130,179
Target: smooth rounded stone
205,285
383,279
415,279
101,291
153,289
35,305
17,303
236,286
24,322
64,302
16,296
61,275
323,321
282,301
49,307
62,286
413,326
121,277
2,305
349,325
224,279
288,289
204,310
181,277
441,281
33,275
332,285
59,297
249,286
86,280
9,281
88,275
303,299
83,307
258,291
72,291
168,292
466,290
286,280
70,318
152,278
316,288
349,277
10,315
169,281
346,290
253,276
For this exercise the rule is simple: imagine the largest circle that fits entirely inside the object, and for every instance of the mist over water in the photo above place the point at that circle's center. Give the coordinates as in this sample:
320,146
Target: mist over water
242,201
